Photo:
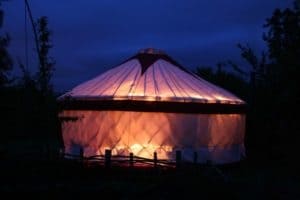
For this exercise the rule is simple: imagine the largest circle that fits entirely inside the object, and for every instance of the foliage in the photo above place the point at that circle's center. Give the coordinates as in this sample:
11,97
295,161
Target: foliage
6,62
275,92
29,110
228,80
272,92
47,63
283,40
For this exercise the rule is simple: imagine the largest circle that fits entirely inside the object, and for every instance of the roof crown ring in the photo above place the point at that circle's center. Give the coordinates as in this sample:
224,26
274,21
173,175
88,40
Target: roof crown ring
151,51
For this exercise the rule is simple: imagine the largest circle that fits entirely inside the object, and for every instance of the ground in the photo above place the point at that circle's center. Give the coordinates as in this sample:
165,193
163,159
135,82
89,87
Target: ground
46,173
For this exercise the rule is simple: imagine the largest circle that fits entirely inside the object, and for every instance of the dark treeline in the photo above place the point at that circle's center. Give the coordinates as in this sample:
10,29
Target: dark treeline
28,104
271,89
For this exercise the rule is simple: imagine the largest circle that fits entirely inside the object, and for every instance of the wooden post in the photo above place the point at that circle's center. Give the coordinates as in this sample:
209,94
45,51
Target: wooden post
209,163
81,153
81,157
131,159
61,153
107,158
195,157
178,158
155,159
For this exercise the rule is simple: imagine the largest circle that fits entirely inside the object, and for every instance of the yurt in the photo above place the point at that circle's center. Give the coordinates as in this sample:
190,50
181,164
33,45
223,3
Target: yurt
150,103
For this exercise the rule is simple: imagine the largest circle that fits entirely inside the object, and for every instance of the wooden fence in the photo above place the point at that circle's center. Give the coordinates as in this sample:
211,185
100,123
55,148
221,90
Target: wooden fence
131,160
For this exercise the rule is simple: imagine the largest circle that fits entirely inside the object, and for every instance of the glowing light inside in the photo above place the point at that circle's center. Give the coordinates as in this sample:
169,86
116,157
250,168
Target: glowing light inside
161,82
143,133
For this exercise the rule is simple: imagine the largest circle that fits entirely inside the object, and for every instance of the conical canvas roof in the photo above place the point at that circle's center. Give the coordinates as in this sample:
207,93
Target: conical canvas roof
151,75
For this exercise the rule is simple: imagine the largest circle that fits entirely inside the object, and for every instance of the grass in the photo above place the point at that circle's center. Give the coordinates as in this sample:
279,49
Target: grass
26,168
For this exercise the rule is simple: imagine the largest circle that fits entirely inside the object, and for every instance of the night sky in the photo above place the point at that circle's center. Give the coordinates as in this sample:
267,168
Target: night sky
92,36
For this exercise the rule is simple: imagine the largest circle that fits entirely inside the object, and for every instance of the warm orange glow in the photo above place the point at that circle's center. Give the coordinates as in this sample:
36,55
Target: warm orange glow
193,98
144,133
163,82
221,99
147,150
217,137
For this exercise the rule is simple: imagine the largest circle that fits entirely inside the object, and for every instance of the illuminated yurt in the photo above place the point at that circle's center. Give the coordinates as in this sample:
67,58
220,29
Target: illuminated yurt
150,103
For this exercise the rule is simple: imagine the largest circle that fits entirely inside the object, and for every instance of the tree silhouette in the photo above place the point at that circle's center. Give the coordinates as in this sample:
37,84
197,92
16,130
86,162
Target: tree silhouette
275,85
47,63
283,40
273,92
233,82
6,62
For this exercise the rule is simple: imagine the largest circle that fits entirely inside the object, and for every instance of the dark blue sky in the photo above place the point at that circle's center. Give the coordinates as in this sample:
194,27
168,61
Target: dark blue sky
92,36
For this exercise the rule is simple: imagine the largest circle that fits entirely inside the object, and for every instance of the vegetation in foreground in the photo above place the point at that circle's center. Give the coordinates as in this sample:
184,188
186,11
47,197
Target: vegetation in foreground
53,175
32,130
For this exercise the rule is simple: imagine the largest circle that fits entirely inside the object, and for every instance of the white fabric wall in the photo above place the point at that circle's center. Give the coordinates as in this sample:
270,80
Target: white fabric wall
216,137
